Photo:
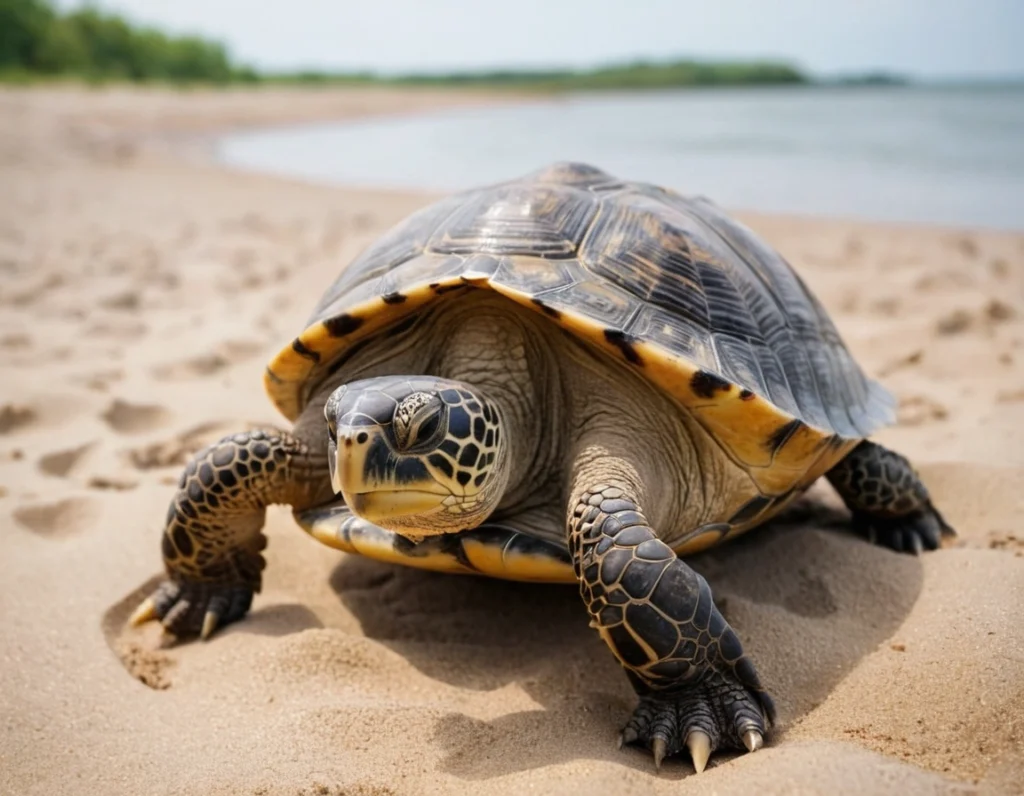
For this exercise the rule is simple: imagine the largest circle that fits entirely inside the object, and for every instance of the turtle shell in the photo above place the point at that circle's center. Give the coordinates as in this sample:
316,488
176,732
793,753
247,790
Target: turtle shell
667,284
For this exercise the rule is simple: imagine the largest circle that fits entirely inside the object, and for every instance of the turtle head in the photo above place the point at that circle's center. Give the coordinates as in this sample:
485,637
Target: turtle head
416,455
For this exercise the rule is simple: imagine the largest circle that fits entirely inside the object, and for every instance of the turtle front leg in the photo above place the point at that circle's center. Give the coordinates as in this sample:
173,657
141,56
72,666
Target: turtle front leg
212,540
890,504
697,688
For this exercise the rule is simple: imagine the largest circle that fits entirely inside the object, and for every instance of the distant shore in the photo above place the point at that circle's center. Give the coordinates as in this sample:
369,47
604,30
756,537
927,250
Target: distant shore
44,41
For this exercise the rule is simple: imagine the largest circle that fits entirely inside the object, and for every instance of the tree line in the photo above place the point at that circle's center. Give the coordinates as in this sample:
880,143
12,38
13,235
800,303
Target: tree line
38,41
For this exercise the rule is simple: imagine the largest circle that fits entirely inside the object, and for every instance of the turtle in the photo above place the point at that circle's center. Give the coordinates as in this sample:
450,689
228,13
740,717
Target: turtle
562,377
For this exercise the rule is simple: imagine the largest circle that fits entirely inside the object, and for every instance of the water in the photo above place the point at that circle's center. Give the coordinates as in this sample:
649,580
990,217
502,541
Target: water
943,156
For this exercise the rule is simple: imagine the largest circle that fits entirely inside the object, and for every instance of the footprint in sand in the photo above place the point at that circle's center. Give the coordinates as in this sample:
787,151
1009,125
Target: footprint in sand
129,300
112,482
226,354
118,330
128,418
917,410
60,463
61,519
13,417
137,649
175,451
16,341
961,320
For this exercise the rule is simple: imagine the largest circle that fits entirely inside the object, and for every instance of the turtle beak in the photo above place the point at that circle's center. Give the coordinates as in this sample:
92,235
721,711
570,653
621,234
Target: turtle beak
377,484
383,507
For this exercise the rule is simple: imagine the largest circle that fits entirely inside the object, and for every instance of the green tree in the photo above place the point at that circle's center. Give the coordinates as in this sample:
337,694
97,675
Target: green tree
23,26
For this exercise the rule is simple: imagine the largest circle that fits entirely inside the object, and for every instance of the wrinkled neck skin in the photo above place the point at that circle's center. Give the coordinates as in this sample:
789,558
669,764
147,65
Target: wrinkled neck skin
499,350
570,415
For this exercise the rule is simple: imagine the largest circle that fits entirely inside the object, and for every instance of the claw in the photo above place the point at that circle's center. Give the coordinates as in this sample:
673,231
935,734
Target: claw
752,740
916,544
659,748
142,614
699,744
628,736
210,620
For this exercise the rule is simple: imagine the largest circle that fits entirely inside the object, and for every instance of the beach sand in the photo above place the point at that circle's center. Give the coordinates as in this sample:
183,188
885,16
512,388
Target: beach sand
144,288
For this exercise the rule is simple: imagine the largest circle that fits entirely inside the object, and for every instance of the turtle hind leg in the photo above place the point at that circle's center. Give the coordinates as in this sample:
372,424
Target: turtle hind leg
890,504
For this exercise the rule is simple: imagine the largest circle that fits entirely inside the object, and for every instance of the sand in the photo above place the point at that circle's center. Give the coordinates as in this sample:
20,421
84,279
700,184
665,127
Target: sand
144,287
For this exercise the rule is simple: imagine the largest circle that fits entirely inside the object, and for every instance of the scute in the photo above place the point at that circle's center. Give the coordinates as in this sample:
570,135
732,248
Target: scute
580,175
664,283
636,248
518,219
401,243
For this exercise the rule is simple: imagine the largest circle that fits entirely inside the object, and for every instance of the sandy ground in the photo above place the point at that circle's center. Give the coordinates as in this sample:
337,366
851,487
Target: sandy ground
143,290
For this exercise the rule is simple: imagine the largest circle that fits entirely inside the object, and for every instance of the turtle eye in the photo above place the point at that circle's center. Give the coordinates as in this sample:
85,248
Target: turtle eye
418,420
425,431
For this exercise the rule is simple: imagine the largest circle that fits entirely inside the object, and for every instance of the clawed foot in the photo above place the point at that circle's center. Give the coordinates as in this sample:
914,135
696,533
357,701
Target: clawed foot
911,533
194,608
716,714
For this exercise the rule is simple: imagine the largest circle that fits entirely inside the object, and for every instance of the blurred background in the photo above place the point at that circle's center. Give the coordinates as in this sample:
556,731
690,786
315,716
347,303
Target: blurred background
903,111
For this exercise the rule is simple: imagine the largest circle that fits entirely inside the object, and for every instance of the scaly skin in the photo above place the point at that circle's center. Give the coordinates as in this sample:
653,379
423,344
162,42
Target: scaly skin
213,538
890,504
696,686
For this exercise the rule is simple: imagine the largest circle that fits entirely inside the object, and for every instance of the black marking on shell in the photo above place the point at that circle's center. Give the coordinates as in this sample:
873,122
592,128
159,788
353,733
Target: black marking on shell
299,348
342,325
546,309
442,289
624,343
705,384
393,298
274,377
746,395
750,510
781,435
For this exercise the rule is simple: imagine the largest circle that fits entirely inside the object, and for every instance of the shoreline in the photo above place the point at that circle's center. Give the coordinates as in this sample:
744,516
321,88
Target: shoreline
144,288
184,124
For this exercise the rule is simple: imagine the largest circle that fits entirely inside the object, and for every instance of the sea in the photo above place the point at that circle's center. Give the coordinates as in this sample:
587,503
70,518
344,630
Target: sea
931,155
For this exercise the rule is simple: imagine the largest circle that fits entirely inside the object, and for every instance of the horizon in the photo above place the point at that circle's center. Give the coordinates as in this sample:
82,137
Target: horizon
944,41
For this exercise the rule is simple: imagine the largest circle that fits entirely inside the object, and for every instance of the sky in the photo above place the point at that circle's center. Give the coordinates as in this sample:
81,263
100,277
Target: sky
922,38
